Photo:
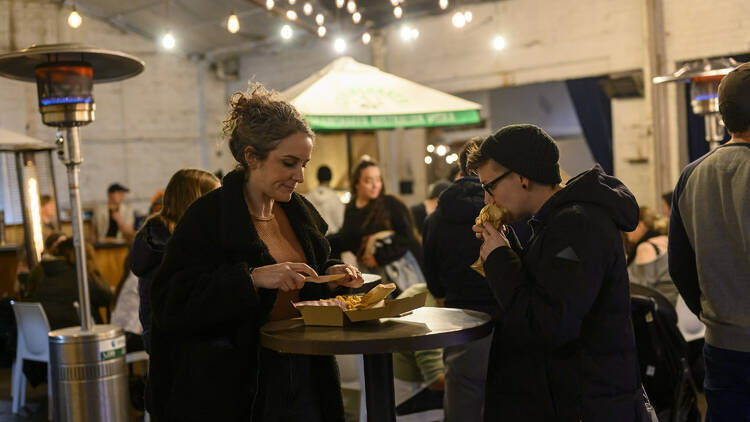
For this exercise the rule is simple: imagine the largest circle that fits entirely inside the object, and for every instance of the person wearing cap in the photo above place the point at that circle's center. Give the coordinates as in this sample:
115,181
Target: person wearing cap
709,252
563,347
327,201
113,221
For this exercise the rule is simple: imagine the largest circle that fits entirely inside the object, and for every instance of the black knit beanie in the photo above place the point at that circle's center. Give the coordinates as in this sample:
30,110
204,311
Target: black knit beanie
527,150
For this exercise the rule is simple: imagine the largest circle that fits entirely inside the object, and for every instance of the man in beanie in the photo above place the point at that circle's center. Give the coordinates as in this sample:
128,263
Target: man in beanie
563,347
709,252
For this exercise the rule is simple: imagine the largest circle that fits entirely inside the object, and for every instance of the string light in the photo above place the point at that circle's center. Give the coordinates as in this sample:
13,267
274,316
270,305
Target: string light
356,17
443,4
430,148
408,33
307,9
233,23
322,31
286,32
351,6
339,45
498,43
292,2
270,4
74,19
340,3
398,12
366,38
427,159
441,150
458,19
291,15
394,3
320,19
468,16
168,41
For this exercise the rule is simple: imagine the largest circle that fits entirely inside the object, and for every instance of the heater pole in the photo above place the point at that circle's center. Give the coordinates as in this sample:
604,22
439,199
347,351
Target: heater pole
72,163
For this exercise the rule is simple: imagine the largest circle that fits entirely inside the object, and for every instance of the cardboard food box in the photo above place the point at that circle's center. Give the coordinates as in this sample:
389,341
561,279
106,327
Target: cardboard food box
334,316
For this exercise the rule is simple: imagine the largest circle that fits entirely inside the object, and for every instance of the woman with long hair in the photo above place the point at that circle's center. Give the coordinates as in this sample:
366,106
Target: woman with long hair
237,259
184,187
378,227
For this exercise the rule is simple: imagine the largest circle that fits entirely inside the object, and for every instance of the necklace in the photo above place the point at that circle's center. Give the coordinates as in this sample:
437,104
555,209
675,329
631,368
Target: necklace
259,218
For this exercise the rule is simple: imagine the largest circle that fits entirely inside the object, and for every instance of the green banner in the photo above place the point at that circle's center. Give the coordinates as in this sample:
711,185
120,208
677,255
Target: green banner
446,118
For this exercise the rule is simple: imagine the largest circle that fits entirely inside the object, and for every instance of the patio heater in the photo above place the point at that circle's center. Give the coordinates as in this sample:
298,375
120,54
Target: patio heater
87,363
704,77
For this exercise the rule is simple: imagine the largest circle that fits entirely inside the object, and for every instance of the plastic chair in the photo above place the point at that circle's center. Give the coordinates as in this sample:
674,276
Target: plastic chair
690,326
32,344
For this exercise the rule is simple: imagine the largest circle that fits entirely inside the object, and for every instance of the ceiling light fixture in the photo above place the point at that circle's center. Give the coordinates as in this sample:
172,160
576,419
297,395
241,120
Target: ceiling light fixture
398,12
351,6
233,23
320,19
366,38
291,15
307,9
443,4
270,4
286,32
339,45
322,31
74,19
498,43
458,19
168,41
356,17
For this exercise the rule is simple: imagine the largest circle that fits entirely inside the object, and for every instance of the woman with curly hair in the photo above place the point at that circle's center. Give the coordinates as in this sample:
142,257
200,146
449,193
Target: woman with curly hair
239,258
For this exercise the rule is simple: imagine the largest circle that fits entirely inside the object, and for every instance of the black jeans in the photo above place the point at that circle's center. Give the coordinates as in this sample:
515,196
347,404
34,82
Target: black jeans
727,384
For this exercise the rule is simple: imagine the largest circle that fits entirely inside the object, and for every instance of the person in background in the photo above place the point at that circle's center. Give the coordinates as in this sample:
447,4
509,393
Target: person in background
427,207
648,264
147,252
378,228
237,259
666,204
50,252
125,312
157,201
450,248
48,213
326,201
709,252
419,377
454,173
57,290
563,347
113,221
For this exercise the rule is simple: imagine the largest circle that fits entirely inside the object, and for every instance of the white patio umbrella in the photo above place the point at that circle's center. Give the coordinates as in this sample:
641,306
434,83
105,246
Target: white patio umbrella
348,95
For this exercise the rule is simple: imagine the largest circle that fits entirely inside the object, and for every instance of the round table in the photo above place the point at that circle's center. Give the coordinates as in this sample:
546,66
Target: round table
423,328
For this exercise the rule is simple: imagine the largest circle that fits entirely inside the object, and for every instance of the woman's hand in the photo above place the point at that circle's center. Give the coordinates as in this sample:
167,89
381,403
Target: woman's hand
493,239
285,276
353,277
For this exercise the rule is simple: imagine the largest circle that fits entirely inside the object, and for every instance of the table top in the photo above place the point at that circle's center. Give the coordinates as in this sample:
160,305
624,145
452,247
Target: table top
423,328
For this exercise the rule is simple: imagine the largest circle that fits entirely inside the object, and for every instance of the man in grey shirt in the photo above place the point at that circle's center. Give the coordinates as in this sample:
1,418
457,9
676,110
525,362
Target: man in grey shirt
709,252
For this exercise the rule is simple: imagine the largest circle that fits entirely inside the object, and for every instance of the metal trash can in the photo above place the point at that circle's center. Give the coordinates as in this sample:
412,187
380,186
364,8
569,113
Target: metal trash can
89,374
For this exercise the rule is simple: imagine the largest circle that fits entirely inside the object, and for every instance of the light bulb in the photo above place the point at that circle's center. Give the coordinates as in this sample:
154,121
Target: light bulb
74,19
339,45
356,17
319,19
414,33
366,37
321,31
307,9
441,150
168,40
427,159
430,148
398,12
405,33
459,21
291,15
351,6
443,4
394,3
292,2
340,3
286,32
233,24
498,43
468,16
270,4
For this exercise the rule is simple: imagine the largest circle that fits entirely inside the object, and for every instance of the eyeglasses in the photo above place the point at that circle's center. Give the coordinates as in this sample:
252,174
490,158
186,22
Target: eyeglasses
491,185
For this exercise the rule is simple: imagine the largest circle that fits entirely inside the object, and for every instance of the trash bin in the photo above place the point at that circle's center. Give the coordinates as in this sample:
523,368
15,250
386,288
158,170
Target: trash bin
89,374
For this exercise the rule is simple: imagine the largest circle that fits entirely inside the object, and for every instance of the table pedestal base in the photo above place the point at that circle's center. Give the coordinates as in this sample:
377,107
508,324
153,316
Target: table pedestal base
380,398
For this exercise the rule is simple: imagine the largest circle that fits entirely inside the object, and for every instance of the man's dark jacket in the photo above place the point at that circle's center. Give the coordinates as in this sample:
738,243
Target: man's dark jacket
145,258
206,316
564,348
450,247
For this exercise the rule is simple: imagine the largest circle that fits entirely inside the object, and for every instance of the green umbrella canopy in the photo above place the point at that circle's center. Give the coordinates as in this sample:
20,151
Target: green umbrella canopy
348,95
